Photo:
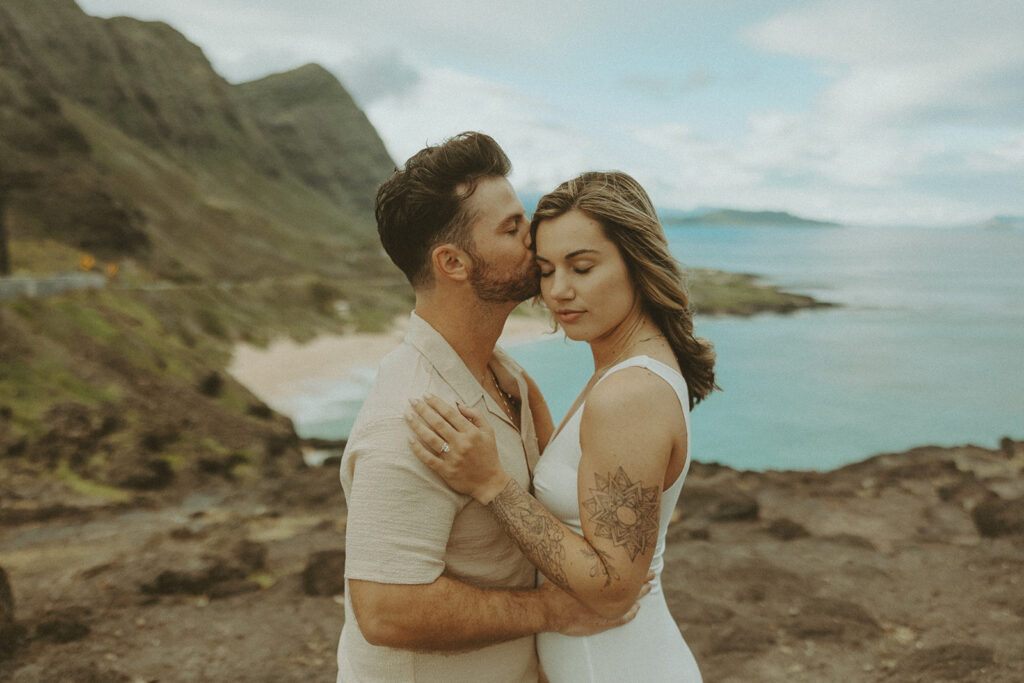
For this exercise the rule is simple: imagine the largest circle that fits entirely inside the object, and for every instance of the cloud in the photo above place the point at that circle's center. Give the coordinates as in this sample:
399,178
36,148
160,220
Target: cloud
370,76
910,63
444,102
875,111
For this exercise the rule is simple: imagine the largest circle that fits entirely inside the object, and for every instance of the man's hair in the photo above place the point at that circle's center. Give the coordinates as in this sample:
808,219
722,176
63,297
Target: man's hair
423,204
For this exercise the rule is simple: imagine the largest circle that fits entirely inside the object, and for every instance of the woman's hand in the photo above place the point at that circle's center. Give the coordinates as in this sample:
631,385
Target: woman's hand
459,446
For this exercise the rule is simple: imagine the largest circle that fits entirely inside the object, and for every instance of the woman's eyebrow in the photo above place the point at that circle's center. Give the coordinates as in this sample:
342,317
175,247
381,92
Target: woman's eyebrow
570,255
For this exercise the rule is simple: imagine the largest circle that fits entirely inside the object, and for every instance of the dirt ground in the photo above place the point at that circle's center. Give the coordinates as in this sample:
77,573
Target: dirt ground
905,567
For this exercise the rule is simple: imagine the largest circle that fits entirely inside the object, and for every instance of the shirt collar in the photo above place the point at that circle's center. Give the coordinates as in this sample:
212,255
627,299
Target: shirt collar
436,349
450,366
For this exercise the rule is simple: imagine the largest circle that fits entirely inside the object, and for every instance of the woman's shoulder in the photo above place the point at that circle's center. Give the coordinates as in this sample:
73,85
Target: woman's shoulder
632,410
630,389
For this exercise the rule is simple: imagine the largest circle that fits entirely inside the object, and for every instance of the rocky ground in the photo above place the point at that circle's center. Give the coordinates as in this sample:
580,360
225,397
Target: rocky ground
904,567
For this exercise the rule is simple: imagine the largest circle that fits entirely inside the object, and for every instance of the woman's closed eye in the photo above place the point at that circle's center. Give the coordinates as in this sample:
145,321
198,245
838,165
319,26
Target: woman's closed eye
579,270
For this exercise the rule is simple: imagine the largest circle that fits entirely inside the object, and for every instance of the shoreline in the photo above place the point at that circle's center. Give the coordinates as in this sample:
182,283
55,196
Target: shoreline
282,372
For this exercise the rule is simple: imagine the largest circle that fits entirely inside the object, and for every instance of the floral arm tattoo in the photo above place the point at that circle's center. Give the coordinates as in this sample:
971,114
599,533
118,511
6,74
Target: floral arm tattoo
535,530
621,510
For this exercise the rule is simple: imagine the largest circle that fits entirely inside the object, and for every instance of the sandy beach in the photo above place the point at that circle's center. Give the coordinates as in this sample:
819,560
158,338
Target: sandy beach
284,370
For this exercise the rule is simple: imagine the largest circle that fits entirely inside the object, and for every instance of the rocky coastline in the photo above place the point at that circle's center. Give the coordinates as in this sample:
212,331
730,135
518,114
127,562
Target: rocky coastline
902,567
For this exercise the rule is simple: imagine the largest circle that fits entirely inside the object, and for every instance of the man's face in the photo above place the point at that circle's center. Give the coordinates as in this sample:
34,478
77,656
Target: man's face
503,267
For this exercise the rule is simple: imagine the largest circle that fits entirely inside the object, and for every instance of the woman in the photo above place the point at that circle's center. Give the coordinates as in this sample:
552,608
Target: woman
610,478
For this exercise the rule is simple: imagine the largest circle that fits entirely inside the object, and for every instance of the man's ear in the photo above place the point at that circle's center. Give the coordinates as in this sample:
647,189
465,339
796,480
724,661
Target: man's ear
450,262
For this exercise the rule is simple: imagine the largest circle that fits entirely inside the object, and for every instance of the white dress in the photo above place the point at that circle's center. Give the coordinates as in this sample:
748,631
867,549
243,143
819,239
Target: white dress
650,648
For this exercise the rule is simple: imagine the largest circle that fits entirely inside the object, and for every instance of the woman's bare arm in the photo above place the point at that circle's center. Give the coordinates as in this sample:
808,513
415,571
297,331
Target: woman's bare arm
628,429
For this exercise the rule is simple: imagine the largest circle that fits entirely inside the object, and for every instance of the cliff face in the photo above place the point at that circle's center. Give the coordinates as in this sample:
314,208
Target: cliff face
304,113
118,137
218,212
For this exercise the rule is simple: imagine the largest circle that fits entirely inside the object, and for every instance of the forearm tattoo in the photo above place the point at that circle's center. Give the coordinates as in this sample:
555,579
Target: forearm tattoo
534,530
624,512
600,565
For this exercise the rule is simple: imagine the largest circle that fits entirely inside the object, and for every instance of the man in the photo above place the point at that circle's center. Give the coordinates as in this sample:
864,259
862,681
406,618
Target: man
435,591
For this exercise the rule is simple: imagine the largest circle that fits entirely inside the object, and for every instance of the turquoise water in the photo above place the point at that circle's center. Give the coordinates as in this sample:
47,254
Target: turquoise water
926,348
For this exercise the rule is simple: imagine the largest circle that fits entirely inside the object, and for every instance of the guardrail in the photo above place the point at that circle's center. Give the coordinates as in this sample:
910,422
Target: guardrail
16,286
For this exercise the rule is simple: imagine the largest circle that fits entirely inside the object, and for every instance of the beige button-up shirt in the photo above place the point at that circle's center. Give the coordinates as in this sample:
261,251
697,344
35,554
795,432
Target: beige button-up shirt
405,525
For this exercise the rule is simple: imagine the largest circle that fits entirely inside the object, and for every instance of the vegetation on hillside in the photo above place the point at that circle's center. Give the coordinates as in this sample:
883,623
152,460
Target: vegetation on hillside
220,213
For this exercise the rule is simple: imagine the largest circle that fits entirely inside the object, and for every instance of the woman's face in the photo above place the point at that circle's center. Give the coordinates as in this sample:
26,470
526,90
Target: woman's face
583,278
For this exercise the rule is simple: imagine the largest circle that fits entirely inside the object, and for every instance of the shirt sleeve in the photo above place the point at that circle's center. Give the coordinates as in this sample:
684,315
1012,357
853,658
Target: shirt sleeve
400,513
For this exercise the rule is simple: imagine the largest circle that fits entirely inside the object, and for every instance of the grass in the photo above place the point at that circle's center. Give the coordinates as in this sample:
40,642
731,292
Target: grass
89,488
42,257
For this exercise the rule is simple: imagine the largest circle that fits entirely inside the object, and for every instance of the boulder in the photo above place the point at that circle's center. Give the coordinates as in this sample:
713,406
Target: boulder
226,589
194,582
69,671
722,503
6,600
996,516
745,637
829,618
251,554
951,662
325,573
61,630
11,633
148,475
786,529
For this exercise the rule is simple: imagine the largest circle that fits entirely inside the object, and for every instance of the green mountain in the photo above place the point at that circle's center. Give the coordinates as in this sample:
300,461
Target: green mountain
736,217
220,213
119,138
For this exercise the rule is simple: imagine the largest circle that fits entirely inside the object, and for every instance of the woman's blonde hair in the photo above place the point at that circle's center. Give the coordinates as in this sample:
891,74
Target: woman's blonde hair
627,217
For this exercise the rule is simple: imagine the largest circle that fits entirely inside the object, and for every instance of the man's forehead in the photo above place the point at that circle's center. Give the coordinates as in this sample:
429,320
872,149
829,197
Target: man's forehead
493,199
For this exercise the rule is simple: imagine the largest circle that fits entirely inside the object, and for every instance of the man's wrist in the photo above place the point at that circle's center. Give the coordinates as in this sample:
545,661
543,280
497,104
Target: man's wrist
549,617
493,489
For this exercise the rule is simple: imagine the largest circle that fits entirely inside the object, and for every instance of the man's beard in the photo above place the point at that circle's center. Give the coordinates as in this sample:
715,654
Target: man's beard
488,286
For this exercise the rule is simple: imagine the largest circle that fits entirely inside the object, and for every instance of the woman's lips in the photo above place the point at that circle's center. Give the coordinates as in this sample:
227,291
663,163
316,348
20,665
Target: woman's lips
568,316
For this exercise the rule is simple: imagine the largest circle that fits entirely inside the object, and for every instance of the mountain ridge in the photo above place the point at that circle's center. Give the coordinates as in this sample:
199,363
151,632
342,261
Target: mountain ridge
161,162
739,217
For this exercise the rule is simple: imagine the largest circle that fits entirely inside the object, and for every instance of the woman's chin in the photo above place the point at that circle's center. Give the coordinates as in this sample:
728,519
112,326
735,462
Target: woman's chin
575,335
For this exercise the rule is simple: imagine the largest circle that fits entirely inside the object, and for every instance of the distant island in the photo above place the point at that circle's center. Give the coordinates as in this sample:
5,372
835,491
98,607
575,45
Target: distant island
737,217
1004,223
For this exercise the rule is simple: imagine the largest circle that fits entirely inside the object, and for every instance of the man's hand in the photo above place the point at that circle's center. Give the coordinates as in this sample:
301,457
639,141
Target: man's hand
570,617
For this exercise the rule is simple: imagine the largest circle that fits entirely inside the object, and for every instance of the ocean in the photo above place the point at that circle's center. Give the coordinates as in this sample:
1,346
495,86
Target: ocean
925,346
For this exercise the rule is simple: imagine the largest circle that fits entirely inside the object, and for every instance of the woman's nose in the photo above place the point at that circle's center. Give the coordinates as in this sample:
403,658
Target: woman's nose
561,288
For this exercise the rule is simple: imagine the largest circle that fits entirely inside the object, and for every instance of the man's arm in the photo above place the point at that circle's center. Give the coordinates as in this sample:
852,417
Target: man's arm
448,615
400,516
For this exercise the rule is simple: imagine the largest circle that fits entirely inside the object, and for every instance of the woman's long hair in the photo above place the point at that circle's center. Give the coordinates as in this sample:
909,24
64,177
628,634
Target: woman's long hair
627,217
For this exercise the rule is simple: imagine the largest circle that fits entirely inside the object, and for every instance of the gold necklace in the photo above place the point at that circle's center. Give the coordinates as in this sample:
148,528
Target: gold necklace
507,400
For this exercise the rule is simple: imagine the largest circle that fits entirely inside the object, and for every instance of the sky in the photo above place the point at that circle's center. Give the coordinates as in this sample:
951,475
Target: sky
881,112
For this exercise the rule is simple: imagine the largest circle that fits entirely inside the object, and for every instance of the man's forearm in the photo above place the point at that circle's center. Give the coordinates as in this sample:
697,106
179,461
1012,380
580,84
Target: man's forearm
446,615
565,557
